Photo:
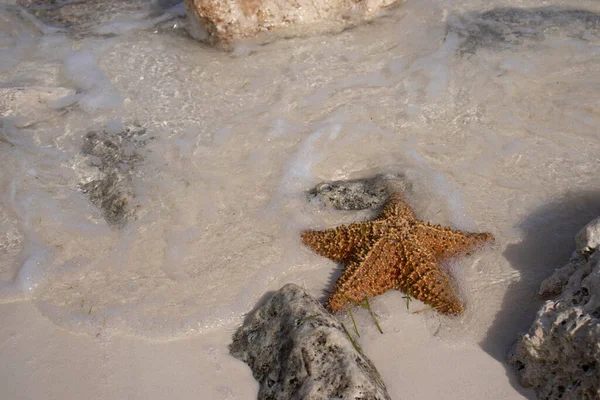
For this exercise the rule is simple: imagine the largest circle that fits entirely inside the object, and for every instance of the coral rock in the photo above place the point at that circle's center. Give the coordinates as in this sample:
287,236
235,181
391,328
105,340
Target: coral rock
560,355
297,350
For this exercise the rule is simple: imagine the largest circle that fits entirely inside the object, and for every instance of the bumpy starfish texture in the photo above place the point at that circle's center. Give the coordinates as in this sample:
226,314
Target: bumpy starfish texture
395,251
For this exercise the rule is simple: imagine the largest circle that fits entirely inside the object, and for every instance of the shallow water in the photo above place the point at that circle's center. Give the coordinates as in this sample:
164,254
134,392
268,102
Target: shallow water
492,116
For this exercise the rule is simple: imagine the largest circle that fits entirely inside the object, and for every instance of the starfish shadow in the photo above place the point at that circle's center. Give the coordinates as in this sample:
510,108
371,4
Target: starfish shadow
548,242
334,275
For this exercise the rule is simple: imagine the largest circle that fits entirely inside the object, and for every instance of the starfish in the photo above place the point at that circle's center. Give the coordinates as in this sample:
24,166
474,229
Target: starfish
395,251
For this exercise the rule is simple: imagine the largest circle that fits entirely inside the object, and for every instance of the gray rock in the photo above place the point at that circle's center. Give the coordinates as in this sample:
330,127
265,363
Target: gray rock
588,239
113,194
560,355
99,17
358,194
110,150
115,155
503,28
297,350
554,284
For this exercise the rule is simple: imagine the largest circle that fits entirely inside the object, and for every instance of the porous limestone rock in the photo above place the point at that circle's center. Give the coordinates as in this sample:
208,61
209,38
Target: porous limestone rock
224,22
359,194
297,350
560,355
588,238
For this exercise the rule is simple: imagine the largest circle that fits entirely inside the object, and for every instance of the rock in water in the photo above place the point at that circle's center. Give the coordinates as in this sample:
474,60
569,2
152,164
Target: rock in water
359,194
98,17
505,27
560,356
297,350
115,155
224,22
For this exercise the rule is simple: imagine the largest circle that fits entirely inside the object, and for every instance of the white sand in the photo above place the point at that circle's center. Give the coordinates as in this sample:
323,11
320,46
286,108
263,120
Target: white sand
500,140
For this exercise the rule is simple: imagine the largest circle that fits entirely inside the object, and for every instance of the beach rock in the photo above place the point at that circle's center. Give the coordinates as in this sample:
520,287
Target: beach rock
358,194
297,350
560,355
114,155
224,22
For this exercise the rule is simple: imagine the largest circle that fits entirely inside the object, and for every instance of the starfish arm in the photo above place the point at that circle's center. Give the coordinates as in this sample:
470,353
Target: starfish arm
446,243
341,244
396,208
372,273
421,277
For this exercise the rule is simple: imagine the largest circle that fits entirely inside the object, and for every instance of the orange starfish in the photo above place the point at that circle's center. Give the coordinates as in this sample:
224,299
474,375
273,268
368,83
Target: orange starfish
395,251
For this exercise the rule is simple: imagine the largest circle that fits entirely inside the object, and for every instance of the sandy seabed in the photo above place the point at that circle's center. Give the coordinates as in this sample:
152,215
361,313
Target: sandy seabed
491,116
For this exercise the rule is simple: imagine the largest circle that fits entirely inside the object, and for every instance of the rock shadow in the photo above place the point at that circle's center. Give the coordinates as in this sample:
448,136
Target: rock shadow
548,242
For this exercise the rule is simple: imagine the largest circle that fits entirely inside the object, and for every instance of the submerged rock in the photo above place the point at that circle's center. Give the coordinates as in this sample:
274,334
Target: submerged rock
224,22
358,194
560,355
100,17
113,194
114,154
297,350
503,28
